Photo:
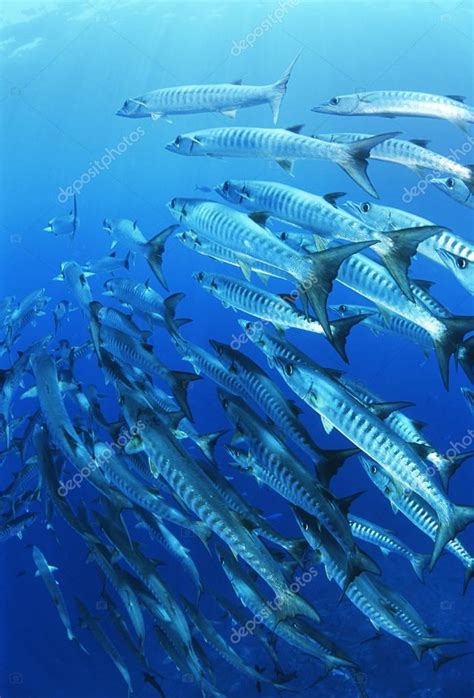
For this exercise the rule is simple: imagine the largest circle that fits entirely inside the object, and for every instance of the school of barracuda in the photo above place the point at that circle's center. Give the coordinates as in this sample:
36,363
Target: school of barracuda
155,481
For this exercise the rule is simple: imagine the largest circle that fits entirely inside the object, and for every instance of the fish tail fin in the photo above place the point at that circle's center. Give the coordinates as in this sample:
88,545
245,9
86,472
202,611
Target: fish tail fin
354,162
179,382
359,562
458,518
296,548
454,462
171,303
340,330
468,575
278,90
403,246
154,254
420,562
442,659
447,345
330,462
293,605
207,442
324,268
203,532
422,644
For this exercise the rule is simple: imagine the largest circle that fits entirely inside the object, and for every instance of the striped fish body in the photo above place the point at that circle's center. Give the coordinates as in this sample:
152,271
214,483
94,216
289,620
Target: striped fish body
408,153
456,189
136,296
236,231
247,298
361,426
127,349
204,362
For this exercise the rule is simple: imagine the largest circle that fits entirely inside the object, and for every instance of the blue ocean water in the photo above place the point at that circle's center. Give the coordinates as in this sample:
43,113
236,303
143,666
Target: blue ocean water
66,68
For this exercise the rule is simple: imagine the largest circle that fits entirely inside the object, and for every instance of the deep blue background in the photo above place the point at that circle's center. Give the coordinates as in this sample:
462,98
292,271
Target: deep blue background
66,69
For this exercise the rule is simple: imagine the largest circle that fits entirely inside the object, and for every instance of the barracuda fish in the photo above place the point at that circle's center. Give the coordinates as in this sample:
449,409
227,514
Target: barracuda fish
108,264
418,512
25,312
141,298
76,279
250,241
15,527
454,252
68,355
362,592
200,495
272,463
22,480
195,99
118,320
381,322
87,621
45,571
103,557
129,234
296,632
66,224
222,253
239,504
321,389
205,363
410,430
159,532
282,145
413,154
127,349
272,308
392,103
59,313
456,189
320,214
368,278
282,412
388,542
170,611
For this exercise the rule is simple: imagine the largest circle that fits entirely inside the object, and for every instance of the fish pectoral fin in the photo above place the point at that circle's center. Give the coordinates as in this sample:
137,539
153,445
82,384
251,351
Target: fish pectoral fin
327,426
230,113
245,269
394,508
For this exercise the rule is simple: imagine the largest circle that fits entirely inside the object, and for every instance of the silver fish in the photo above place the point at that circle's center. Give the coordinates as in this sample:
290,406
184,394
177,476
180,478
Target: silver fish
456,189
66,224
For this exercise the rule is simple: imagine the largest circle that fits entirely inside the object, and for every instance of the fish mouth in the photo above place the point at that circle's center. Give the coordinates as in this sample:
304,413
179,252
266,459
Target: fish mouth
170,146
322,108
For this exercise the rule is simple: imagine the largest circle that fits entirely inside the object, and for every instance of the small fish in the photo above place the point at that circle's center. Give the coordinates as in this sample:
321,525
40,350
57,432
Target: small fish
108,264
225,99
16,526
66,224
59,313
392,103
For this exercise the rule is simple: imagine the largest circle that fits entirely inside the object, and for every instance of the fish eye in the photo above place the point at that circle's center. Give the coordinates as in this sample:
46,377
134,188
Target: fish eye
450,183
225,403
289,369
248,326
365,208
305,527
173,203
461,263
220,351
343,308
200,276
334,101
373,469
284,236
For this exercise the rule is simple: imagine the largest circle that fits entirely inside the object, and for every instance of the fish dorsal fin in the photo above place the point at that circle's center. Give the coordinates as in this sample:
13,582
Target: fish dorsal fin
457,98
259,217
422,142
384,409
344,503
245,268
135,225
332,197
327,426
295,129
147,284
